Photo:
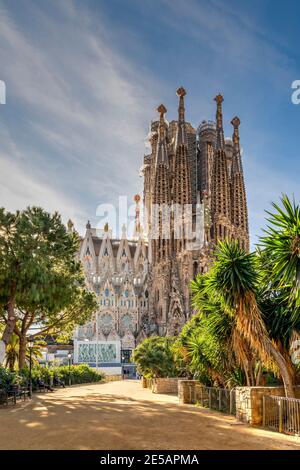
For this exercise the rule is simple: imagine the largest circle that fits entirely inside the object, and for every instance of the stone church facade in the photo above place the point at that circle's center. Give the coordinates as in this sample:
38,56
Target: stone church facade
201,170
143,283
117,271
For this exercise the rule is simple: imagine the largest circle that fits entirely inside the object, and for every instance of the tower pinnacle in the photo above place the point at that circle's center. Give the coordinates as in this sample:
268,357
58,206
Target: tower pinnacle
239,213
181,137
162,111
137,225
162,156
220,145
236,163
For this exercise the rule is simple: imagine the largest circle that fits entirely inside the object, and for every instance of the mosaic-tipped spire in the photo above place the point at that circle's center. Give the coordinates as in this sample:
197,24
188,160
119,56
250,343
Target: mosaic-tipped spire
239,213
236,160
162,155
181,137
220,145
137,225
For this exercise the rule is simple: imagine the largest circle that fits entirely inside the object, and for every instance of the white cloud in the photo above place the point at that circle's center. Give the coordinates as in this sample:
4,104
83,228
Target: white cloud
86,109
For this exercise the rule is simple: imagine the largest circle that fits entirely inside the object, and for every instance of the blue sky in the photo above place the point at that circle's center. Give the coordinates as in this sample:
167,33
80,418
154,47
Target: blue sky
84,78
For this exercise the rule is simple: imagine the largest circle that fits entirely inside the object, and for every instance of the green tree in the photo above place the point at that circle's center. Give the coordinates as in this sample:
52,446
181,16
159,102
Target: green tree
40,279
215,348
281,251
55,322
279,257
233,281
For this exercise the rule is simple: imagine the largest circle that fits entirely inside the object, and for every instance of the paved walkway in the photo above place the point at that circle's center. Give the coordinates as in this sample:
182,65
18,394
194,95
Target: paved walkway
123,415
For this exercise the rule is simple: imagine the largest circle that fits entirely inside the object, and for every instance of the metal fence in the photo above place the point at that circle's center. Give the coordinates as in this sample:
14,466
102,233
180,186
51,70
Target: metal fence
282,414
220,399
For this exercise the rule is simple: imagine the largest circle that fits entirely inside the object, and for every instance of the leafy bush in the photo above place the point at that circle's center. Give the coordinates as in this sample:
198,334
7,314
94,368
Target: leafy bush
155,357
78,374
6,378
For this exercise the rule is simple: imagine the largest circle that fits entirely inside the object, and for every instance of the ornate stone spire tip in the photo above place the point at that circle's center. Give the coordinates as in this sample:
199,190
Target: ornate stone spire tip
106,227
181,91
219,98
88,225
236,122
161,109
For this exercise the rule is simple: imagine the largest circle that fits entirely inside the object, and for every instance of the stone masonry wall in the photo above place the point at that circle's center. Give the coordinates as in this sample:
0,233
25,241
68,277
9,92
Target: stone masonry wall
167,385
189,391
249,402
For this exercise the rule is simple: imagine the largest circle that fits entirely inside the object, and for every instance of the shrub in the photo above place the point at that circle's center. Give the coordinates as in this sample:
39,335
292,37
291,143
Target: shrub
155,357
79,374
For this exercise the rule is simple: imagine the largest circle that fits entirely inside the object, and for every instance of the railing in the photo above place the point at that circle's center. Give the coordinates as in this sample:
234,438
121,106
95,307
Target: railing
282,414
221,399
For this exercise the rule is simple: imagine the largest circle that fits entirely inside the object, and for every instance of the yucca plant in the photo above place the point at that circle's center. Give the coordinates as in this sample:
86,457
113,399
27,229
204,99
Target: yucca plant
233,280
280,245
217,321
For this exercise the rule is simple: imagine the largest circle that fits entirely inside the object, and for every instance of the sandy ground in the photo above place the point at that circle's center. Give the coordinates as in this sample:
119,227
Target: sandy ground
123,415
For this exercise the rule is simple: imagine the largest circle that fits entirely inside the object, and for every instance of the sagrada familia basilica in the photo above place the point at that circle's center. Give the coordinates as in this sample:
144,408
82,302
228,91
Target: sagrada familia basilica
194,195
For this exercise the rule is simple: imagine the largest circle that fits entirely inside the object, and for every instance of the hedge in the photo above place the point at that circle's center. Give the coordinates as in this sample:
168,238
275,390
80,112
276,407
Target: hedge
78,374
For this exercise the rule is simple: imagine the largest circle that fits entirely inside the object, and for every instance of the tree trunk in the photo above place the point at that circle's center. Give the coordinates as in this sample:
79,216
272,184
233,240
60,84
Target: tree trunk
285,373
258,375
251,371
22,351
11,321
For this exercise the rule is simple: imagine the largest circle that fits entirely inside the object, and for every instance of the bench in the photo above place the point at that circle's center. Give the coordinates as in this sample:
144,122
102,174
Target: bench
5,398
18,392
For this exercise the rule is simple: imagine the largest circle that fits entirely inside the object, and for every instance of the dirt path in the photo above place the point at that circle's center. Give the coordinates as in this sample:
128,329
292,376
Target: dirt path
123,415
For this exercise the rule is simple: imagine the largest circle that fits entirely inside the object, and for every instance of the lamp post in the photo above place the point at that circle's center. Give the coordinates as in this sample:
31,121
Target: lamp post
30,346
69,359
135,335
123,359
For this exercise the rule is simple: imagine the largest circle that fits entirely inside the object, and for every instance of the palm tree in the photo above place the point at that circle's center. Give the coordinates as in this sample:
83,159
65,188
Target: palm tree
234,281
281,247
217,329
12,352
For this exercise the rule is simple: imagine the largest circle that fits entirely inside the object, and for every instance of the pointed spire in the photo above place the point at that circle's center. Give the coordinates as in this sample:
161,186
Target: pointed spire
124,231
239,212
70,226
219,123
162,155
181,137
137,224
236,161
